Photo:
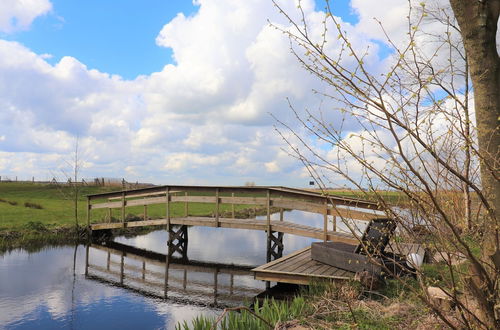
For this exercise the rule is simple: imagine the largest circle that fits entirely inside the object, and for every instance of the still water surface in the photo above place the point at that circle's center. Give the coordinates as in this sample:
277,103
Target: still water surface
49,289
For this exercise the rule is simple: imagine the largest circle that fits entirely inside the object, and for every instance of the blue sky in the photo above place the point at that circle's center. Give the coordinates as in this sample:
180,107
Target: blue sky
102,72
114,39
117,39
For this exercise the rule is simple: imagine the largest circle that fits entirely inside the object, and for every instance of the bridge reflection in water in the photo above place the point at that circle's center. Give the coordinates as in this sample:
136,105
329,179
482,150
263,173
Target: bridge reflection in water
176,278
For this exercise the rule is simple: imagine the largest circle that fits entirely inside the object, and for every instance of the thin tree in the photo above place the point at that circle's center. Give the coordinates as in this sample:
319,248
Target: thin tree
416,135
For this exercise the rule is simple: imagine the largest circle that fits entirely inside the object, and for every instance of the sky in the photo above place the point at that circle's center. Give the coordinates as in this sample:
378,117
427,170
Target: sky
172,92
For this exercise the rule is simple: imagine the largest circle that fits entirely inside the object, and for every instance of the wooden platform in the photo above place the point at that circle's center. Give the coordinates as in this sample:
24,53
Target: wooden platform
299,268
252,224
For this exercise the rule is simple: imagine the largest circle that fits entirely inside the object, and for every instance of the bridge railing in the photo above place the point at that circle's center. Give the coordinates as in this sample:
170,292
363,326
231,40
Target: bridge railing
216,202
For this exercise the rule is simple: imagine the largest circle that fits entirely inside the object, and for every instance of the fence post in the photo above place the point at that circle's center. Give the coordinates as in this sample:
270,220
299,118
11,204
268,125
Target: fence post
88,211
123,207
186,207
281,209
268,206
217,224
232,205
325,221
167,206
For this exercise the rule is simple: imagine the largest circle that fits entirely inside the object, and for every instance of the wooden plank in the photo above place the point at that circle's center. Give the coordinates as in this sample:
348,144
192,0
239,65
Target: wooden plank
307,264
132,195
293,264
157,222
269,264
243,200
314,270
146,201
353,214
113,205
288,264
337,256
298,205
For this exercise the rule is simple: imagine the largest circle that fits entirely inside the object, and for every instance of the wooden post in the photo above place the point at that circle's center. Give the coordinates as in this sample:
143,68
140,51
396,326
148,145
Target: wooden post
232,206
88,211
186,209
334,217
145,211
325,221
281,209
110,214
217,224
268,206
108,260
123,207
143,270
167,207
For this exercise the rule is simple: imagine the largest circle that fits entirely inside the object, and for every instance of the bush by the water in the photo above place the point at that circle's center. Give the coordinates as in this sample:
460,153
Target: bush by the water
13,203
35,226
33,205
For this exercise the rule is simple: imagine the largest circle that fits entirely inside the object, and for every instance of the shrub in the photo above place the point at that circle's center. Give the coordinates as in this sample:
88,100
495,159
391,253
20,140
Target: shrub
33,205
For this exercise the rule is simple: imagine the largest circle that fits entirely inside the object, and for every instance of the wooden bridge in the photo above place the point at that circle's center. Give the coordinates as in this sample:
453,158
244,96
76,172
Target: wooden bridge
257,197
219,206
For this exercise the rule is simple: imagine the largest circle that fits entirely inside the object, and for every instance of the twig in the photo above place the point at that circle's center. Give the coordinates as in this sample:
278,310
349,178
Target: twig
237,309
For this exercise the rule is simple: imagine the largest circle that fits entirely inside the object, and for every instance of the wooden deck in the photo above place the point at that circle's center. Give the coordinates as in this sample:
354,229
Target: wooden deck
252,224
299,268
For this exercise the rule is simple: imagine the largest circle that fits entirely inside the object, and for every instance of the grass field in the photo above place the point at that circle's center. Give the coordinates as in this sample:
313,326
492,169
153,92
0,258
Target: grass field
50,205
28,206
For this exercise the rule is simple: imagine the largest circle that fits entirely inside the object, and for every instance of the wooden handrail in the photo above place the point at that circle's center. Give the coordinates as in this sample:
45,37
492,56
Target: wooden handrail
267,197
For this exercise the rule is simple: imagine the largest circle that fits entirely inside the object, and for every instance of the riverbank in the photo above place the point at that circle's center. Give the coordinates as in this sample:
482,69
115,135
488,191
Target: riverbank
340,305
33,215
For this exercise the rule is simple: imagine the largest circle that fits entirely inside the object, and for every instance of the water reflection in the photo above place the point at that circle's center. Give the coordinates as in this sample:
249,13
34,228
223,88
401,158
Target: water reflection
156,274
49,289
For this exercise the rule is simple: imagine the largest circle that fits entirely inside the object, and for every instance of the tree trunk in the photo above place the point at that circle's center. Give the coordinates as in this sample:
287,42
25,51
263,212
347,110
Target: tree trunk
478,24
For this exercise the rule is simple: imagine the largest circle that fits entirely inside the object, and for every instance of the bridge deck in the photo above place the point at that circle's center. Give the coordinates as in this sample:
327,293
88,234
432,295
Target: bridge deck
252,224
299,268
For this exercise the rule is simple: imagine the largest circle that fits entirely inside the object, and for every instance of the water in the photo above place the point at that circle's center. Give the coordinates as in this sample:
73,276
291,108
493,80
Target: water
49,289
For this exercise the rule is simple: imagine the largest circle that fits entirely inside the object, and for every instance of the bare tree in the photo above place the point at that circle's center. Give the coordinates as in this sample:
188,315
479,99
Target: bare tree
73,193
415,135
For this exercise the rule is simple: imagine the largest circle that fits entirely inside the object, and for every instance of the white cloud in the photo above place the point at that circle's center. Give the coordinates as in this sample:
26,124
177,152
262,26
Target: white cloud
205,118
19,14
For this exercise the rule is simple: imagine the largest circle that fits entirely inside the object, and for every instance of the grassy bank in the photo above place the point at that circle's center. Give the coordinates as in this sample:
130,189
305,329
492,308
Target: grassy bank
32,213
333,306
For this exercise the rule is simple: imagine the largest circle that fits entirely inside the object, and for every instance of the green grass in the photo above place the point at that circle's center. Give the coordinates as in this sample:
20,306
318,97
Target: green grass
392,197
323,306
49,206
271,311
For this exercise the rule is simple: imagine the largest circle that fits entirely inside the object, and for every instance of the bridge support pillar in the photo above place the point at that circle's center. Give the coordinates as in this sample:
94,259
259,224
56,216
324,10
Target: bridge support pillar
274,245
178,242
